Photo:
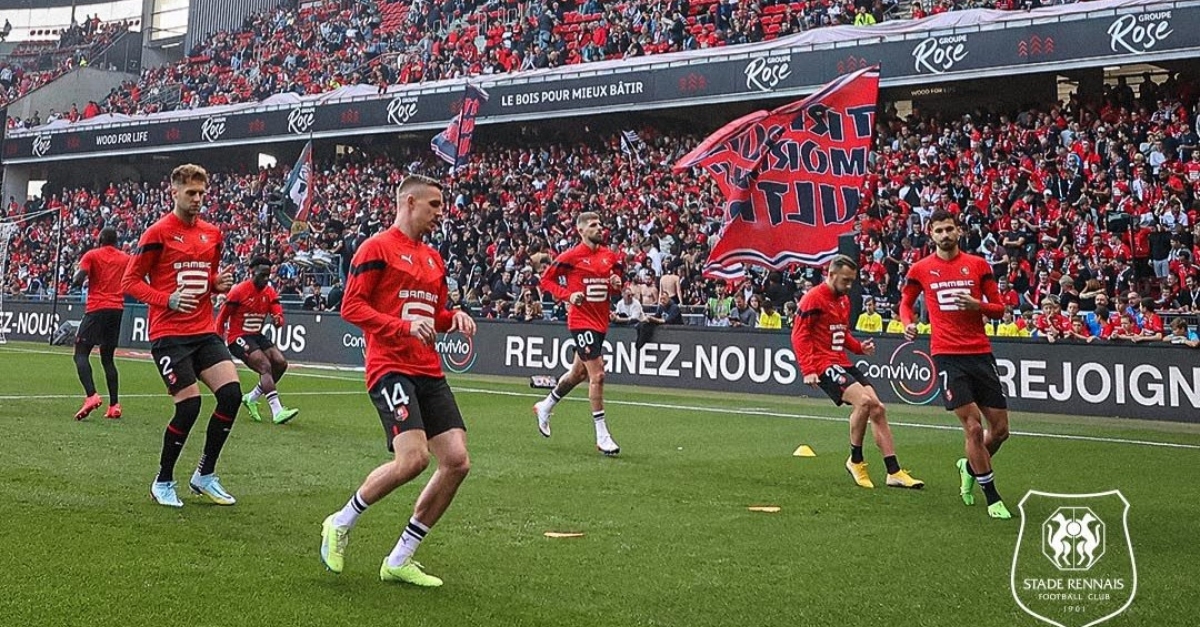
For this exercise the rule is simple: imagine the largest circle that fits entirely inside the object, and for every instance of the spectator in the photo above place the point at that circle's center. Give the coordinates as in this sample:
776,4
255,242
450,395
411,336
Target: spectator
628,309
869,321
769,318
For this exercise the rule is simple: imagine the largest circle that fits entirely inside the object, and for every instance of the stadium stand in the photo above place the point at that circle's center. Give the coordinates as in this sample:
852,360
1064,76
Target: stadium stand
1103,193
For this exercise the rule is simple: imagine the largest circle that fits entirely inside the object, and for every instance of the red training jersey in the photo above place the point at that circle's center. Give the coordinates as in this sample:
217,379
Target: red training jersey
246,309
393,281
105,267
956,331
581,269
172,255
821,331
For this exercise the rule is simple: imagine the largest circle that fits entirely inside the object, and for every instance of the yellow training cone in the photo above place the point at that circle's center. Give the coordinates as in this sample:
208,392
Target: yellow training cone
804,451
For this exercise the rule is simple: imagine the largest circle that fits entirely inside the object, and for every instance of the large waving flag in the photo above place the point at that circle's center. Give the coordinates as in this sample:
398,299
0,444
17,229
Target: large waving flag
453,145
297,194
791,177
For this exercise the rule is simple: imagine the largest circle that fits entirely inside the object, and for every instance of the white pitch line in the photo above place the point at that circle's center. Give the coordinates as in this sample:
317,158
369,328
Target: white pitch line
708,410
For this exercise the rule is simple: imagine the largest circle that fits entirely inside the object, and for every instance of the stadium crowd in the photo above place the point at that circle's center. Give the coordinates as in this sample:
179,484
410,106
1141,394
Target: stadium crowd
31,65
347,42
1079,208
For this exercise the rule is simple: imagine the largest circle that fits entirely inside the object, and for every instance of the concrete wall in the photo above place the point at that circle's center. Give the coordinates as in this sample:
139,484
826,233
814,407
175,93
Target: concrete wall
77,87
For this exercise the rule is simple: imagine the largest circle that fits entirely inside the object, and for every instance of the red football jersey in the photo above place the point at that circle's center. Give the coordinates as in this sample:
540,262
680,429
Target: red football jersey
581,269
393,281
173,255
821,332
105,267
246,309
956,331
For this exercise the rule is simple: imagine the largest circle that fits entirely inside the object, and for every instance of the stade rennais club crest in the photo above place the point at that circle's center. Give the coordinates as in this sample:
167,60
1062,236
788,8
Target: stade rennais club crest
1074,565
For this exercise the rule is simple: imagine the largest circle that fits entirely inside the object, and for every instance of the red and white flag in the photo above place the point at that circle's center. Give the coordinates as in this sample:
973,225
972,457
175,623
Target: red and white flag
791,177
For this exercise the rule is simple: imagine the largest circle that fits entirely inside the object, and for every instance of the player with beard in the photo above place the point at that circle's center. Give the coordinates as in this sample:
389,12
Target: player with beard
955,285
586,277
820,338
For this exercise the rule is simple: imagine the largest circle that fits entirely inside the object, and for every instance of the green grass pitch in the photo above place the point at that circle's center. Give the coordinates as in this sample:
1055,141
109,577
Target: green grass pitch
668,537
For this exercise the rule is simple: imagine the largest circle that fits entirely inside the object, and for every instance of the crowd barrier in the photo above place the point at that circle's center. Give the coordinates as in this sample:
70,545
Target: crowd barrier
1156,382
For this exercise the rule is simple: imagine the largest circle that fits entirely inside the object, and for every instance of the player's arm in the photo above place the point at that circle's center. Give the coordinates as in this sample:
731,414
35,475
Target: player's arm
276,306
80,275
557,269
447,320
144,258
226,311
220,281
803,341
994,307
853,345
908,298
365,272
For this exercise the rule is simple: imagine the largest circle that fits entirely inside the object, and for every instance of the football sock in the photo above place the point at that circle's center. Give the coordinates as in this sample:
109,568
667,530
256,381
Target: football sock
111,378
856,454
219,425
175,436
350,513
273,401
987,483
255,394
552,398
409,541
601,426
893,466
83,366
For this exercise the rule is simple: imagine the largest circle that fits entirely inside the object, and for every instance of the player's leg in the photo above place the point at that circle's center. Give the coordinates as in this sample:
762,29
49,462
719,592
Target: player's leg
83,368
574,375
220,375
173,359
244,351
595,375
977,466
997,429
111,379
862,406
404,427
448,443
276,365
863,395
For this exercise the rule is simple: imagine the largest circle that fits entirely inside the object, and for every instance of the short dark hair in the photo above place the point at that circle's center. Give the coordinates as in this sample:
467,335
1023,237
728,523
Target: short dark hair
941,215
259,261
108,236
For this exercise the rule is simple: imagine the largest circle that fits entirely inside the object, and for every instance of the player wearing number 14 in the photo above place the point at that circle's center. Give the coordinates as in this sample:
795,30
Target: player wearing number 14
174,271
396,293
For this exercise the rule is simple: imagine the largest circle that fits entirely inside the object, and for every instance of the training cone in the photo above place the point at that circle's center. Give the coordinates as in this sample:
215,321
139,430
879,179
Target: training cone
804,450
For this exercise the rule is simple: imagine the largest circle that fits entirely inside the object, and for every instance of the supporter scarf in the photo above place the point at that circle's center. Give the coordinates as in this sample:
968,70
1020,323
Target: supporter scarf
791,177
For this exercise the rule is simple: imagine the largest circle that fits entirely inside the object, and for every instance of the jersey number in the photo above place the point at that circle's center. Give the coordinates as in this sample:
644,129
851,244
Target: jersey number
585,338
596,292
839,340
947,297
396,397
165,366
417,311
192,282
